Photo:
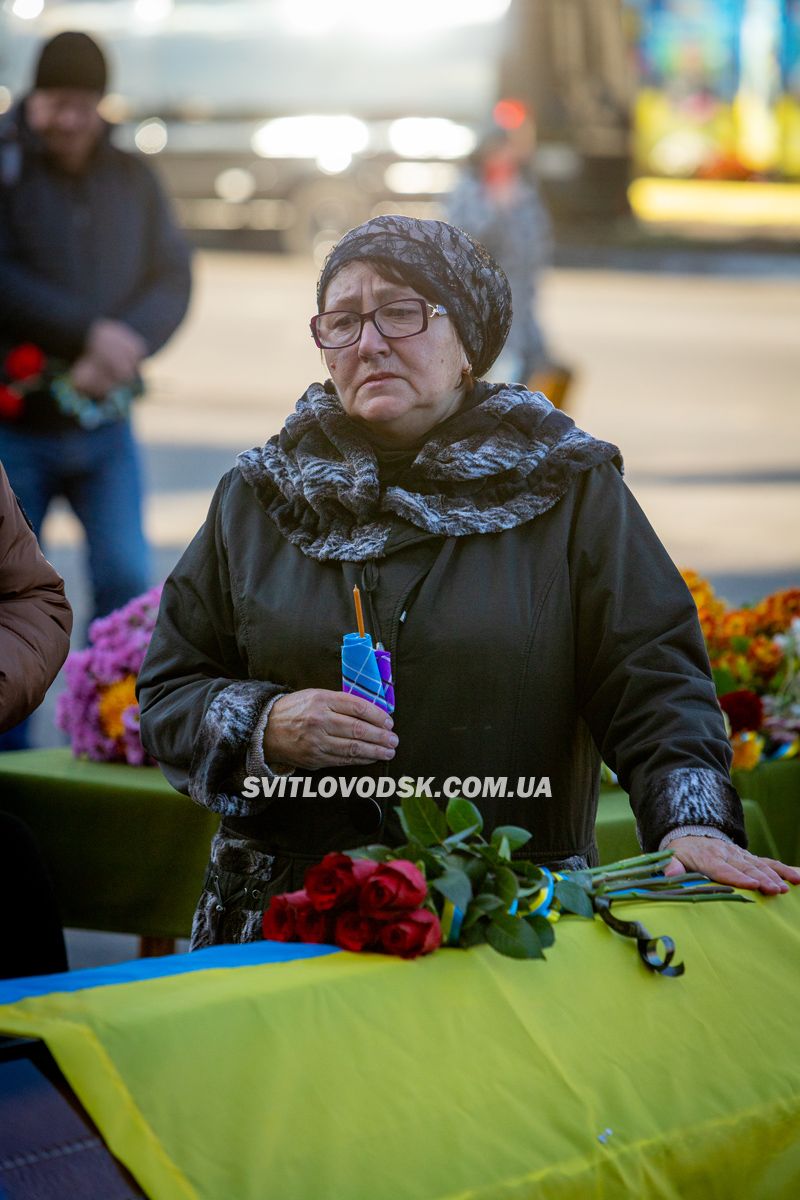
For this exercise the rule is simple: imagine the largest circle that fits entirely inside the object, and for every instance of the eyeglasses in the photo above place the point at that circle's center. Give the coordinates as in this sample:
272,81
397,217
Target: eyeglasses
397,319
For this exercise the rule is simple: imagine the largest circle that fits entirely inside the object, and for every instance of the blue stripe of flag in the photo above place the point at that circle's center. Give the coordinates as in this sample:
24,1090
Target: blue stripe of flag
252,954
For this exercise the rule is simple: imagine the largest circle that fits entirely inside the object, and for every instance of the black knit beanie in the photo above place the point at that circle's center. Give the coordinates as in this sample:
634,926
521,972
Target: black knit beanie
71,60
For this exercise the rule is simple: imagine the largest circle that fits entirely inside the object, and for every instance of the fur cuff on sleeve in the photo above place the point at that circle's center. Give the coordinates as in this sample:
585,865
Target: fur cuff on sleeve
219,763
689,796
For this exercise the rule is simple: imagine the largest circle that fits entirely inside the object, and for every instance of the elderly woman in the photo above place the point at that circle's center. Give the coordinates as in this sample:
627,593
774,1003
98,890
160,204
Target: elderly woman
535,621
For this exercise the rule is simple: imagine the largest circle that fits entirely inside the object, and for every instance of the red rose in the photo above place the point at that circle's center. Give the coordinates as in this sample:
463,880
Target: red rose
280,918
11,403
313,926
744,709
393,887
354,932
279,924
412,934
24,361
363,868
331,883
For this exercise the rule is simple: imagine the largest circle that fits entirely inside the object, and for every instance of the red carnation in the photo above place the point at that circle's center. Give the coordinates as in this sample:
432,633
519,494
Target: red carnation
393,887
24,361
331,883
412,934
11,403
744,709
354,932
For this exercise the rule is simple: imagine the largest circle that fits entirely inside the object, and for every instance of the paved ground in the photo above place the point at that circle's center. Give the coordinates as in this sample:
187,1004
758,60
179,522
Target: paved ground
696,378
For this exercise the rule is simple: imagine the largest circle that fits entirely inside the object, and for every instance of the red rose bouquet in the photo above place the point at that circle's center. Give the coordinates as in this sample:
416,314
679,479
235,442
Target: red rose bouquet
26,372
447,883
22,369
358,904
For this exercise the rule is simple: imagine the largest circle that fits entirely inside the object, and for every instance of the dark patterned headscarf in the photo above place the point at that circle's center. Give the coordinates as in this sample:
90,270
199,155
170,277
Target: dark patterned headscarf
445,266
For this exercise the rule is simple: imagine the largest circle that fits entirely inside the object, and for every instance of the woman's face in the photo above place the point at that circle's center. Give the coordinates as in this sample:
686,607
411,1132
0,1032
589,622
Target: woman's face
403,387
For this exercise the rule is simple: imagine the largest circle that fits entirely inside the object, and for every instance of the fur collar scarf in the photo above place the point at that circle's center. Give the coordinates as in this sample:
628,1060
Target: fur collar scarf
500,463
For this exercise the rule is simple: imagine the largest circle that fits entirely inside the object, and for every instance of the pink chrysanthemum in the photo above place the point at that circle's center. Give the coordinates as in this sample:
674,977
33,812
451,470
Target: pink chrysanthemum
98,710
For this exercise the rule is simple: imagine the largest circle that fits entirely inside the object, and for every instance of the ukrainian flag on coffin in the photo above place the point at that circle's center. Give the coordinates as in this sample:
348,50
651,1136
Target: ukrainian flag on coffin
111,1031
293,1071
303,1072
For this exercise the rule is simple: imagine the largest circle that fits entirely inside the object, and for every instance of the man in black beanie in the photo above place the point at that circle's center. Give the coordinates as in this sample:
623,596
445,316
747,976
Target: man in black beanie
94,278
62,108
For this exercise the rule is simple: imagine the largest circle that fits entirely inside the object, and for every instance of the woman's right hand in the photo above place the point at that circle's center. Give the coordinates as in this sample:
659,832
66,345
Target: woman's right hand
316,728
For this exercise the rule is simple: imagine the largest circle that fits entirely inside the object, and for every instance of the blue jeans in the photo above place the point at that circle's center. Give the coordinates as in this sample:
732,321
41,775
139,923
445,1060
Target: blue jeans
97,471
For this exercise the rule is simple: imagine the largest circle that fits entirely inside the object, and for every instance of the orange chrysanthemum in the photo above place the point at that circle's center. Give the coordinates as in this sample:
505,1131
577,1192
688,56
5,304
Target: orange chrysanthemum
114,700
775,613
765,656
739,622
710,609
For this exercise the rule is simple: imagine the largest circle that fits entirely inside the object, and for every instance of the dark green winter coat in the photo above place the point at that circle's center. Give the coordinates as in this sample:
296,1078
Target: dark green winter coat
536,623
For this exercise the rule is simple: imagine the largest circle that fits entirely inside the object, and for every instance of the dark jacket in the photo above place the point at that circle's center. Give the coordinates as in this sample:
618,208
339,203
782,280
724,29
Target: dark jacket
534,619
35,616
75,248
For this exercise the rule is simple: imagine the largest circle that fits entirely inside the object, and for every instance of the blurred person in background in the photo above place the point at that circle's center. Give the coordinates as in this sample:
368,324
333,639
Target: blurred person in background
497,201
94,278
35,624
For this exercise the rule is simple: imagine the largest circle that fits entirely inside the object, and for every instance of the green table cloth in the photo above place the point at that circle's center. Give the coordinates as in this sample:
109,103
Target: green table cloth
461,1076
775,787
128,853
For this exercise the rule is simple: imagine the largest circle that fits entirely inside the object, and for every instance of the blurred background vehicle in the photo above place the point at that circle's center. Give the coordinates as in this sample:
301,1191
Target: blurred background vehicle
298,119
284,122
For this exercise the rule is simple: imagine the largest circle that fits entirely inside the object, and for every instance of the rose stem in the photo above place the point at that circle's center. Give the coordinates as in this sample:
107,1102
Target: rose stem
655,857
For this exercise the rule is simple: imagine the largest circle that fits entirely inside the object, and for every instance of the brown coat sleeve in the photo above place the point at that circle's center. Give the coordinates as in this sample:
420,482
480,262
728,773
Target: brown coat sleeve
35,616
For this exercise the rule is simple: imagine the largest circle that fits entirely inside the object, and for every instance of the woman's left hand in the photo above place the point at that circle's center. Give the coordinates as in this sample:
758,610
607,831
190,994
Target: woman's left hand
725,862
